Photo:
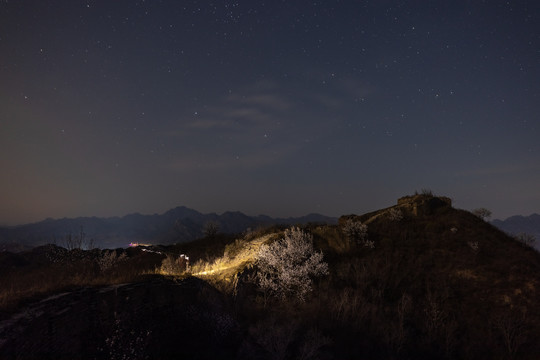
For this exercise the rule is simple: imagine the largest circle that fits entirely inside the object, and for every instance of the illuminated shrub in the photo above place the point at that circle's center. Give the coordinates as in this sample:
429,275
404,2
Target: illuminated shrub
286,266
174,266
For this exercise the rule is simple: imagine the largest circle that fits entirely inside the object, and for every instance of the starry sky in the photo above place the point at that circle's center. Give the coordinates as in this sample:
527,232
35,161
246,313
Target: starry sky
281,108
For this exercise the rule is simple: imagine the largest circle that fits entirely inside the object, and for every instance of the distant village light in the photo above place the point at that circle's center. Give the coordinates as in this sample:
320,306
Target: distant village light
138,244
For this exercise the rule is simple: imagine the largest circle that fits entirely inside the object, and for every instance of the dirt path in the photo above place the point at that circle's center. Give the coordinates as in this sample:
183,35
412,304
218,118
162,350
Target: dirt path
245,256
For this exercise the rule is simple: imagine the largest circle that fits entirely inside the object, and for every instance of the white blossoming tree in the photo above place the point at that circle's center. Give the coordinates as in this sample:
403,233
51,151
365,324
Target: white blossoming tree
356,233
482,213
286,267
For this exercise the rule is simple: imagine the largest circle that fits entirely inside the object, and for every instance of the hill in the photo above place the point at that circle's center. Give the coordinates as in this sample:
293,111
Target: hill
418,280
180,224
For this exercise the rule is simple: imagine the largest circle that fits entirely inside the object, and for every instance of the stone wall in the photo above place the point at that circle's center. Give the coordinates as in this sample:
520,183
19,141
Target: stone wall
423,204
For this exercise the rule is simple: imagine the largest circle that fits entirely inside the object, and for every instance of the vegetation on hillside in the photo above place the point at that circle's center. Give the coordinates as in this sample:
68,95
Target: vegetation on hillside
417,280
51,269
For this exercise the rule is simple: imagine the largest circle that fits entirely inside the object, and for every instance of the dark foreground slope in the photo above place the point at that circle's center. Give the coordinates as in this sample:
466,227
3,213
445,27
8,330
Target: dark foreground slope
428,282
157,318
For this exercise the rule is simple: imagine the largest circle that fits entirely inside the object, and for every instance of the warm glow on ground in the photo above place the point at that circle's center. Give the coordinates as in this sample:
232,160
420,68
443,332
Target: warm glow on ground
225,265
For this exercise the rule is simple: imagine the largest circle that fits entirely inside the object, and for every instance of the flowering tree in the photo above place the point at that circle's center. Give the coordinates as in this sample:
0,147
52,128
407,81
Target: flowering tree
356,232
286,266
482,213
395,214
109,259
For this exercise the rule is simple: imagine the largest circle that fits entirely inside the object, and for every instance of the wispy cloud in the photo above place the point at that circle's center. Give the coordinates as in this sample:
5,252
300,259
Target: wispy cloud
237,131
259,126
228,161
272,102
209,123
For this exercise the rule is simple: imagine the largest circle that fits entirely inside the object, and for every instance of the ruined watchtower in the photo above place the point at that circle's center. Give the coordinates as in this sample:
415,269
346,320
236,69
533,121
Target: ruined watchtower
423,204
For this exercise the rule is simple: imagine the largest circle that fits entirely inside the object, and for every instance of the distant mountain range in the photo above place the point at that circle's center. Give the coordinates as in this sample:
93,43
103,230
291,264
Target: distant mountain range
521,224
177,225
180,224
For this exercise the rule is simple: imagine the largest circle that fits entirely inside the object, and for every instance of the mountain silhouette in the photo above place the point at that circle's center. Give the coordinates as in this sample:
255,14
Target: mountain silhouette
516,225
177,225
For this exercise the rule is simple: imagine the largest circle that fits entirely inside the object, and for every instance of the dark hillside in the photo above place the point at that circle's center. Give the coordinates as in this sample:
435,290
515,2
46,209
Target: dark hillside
439,282
419,280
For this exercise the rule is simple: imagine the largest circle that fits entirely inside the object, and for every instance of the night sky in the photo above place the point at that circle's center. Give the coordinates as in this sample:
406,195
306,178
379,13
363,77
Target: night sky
266,107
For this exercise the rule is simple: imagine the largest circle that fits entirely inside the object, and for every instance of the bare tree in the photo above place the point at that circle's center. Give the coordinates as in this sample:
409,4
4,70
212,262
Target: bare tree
211,228
286,266
273,337
511,326
526,239
395,329
311,344
482,213
77,242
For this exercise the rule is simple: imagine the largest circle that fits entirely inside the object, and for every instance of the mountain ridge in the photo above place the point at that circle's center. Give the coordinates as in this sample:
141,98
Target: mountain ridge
519,224
176,225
